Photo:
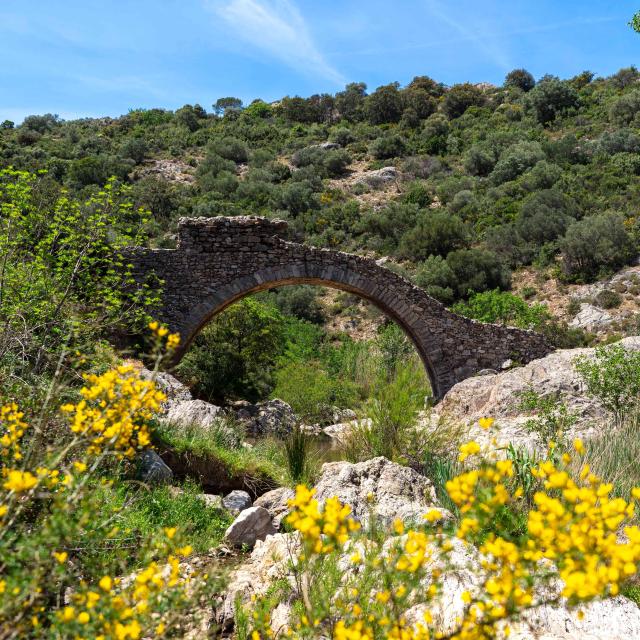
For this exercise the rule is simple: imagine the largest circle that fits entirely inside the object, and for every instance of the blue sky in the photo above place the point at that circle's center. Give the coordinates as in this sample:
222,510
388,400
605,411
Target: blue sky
82,58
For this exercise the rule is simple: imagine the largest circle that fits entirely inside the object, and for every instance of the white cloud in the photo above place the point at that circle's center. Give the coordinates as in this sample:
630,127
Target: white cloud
277,28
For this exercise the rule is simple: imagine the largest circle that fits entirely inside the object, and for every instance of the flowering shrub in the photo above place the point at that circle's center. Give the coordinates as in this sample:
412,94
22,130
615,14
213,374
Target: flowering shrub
63,555
571,552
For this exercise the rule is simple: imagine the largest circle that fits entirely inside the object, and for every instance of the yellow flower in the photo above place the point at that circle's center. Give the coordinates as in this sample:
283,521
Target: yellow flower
468,449
578,446
61,556
19,481
83,617
486,423
170,532
105,583
80,466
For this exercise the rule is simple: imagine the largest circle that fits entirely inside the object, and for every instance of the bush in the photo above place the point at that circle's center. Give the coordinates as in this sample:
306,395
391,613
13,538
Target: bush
551,98
480,160
595,244
336,163
230,148
436,277
624,110
312,392
300,301
521,79
545,216
384,105
342,136
436,233
613,377
608,299
516,160
504,308
477,270
460,97
388,146
235,354
623,140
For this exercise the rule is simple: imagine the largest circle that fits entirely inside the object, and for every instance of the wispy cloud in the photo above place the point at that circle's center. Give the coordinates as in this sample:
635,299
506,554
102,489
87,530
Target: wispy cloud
278,29
468,37
485,43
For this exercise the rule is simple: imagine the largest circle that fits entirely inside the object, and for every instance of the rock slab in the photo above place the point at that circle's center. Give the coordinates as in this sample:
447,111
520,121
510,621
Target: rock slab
251,525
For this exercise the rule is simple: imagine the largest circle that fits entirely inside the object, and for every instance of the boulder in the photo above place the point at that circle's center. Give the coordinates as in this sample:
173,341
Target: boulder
276,502
271,417
591,318
498,395
192,412
251,525
378,177
237,501
380,487
270,560
211,500
152,469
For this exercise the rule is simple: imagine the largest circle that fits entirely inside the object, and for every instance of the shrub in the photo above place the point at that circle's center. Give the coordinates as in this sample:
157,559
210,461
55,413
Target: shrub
234,355
608,299
505,308
623,140
312,392
436,233
551,98
384,105
392,411
300,301
623,111
480,161
613,377
230,148
552,421
477,270
436,277
388,146
460,97
342,136
596,243
336,162
516,160
625,77
545,216
420,101
521,79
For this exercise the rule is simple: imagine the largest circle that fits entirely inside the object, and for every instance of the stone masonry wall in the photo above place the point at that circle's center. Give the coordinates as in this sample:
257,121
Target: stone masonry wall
220,260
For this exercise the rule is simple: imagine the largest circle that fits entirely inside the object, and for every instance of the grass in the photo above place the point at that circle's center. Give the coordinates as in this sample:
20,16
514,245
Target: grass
208,454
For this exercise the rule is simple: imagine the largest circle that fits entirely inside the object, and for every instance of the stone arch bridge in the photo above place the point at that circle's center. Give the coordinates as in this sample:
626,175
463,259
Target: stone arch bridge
220,260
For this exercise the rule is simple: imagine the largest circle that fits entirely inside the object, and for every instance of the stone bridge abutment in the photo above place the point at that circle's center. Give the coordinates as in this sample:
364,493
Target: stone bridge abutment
221,260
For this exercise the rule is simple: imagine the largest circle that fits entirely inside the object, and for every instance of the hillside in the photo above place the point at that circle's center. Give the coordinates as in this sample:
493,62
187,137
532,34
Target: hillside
142,499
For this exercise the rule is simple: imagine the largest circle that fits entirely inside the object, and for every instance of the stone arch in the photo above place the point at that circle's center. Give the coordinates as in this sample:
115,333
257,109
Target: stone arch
271,278
220,260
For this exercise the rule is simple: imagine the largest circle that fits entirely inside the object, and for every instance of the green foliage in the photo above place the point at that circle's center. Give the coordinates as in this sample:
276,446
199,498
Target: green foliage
552,418
436,233
460,97
384,105
235,354
476,270
551,98
592,245
613,377
505,308
297,446
608,299
388,146
521,79
312,392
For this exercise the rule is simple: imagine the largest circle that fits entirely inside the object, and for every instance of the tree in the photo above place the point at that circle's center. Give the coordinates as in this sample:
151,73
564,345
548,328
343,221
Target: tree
190,116
224,105
235,354
521,79
390,145
427,84
545,216
350,102
460,97
551,98
420,100
477,270
7,124
596,243
624,110
384,104
516,160
436,233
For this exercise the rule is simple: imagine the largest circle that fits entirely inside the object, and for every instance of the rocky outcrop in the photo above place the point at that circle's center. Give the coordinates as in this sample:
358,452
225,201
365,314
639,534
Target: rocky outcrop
378,177
378,487
591,318
192,412
499,395
252,524
271,417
